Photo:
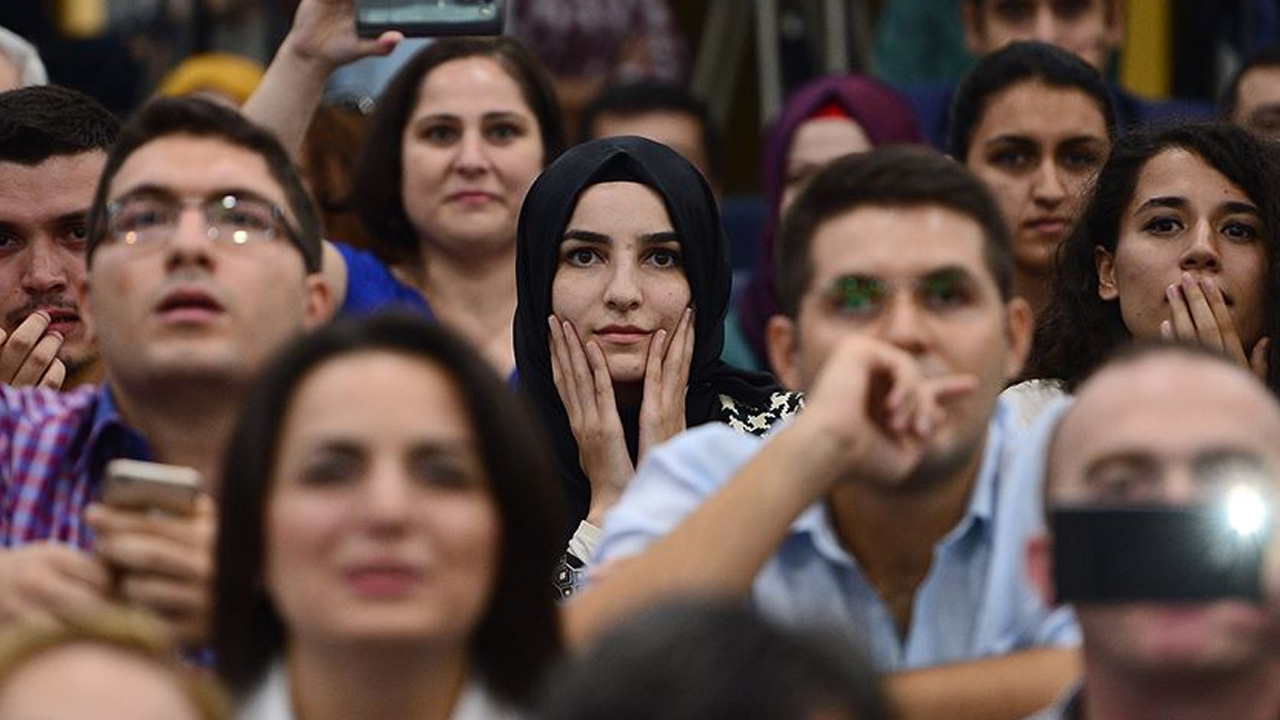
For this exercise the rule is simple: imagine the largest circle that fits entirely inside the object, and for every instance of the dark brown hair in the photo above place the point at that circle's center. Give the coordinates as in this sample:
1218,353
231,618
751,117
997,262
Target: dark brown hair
899,176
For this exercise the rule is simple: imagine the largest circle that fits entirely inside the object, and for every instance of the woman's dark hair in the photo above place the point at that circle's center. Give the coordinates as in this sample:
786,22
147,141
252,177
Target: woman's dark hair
1017,63
519,635
379,177
699,660
1079,330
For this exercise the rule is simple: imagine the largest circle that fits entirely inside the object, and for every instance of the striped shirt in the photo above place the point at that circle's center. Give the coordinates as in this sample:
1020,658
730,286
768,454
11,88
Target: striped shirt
53,448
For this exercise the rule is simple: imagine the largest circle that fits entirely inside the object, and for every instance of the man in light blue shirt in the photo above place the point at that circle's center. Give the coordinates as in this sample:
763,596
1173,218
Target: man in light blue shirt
888,503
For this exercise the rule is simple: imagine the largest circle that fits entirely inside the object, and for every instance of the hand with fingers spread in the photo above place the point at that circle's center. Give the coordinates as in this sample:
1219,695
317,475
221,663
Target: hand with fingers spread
48,582
874,401
29,354
666,381
582,379
1200,314
162,562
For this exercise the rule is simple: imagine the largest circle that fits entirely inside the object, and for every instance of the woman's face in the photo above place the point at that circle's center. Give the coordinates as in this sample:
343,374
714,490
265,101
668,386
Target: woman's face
1185,217
621,274
815,143
470,150
380,524
1038,149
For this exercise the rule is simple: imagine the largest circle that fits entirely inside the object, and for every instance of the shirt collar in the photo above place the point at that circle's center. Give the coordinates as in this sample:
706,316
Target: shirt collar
110,436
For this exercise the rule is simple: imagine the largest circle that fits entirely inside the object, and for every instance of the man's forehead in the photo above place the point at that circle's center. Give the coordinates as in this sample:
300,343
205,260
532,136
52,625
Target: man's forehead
1169,407
197,166
51,189
892,242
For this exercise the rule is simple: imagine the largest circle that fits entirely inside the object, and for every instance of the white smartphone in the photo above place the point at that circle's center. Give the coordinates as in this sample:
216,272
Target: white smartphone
137,485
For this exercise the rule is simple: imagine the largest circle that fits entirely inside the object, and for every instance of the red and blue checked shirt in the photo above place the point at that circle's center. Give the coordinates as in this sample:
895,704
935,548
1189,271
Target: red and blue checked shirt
53,448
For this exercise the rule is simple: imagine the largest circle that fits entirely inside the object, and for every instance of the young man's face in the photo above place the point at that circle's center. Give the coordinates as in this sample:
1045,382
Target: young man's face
1092,29
1170,429
939,302
43,212
189,306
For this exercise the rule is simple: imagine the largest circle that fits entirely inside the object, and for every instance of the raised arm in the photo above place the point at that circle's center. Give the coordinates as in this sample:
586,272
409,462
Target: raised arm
322,38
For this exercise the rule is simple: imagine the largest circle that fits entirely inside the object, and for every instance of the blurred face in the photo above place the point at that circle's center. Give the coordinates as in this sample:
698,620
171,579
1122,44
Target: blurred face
679,131
470,150
1038,148
815,143
43,219
1091,29
76,682
380,522
192,307
941,305
10,74
1131,439
1186,218
1258,102
621,275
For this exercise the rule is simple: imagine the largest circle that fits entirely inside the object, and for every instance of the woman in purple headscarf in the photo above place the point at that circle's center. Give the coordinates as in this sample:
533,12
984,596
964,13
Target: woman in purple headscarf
829,117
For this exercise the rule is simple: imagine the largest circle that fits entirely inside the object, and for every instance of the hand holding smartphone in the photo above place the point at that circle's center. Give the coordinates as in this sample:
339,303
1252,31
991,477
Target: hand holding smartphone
137,485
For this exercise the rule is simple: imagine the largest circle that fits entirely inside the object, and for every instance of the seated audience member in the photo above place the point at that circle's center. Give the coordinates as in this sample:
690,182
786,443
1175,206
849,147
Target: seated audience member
457,139
827,118
110,665
887,504
1179,241
203,258
20,64
1034,123
386,562
715,661
1165,427
623,281
1252,99
53,144
1091,29
664,113
217,77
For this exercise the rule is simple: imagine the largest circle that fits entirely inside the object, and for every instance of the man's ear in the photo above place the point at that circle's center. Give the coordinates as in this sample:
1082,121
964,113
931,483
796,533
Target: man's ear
1040,567
1020,328
782,342
1105,263
318,305
975,40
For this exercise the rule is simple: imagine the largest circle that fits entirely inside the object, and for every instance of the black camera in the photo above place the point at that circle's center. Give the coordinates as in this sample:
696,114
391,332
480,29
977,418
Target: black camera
430,18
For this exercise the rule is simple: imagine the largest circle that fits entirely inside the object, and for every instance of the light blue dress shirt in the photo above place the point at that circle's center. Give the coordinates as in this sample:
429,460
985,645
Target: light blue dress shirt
976,601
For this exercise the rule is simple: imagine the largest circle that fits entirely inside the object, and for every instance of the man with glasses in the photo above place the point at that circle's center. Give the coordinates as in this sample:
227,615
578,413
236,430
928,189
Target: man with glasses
887,506
202,260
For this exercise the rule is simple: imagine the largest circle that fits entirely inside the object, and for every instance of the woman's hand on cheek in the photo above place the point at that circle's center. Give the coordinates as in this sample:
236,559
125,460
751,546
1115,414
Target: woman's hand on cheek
582,379
666,381
1199,314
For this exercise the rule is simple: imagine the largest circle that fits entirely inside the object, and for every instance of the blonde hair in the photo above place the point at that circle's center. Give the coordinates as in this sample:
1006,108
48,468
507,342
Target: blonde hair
123,630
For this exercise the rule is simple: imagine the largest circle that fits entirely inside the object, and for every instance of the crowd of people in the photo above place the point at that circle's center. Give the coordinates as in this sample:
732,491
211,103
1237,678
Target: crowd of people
484,429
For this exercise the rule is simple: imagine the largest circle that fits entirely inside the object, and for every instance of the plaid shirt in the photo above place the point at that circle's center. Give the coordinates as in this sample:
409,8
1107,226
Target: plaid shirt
53,448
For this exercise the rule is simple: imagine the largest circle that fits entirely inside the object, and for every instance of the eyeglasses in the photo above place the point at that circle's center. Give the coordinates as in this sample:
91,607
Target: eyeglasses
150,219
865,296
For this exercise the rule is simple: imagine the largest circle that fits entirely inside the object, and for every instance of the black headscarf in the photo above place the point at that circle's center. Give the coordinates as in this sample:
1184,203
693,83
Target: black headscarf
696,220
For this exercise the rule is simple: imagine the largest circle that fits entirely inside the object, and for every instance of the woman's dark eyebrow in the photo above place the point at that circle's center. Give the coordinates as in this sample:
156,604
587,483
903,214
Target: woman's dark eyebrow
660,237
587,236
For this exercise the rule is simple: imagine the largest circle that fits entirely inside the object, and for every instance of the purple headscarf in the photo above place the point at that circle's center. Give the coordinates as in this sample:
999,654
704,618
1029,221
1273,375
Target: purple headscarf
887,118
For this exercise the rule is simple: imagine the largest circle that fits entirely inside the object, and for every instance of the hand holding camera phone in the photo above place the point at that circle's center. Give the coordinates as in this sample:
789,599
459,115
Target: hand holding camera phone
137,485
430,18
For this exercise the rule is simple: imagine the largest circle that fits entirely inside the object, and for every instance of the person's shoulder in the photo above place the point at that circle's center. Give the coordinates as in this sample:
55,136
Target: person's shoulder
38,404
371,286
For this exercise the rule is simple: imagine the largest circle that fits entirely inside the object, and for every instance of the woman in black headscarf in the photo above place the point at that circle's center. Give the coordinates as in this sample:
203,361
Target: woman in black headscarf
623,281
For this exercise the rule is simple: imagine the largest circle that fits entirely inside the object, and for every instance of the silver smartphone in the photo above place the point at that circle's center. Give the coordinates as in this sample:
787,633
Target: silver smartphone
430,18
137,485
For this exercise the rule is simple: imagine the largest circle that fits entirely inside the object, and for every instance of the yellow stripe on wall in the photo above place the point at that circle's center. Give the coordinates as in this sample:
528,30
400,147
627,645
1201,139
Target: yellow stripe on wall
1146,64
